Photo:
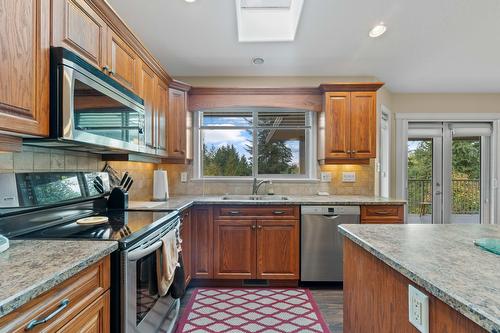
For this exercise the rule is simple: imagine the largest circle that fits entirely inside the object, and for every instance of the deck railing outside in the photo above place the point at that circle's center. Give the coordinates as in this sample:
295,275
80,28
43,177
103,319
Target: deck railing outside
466,196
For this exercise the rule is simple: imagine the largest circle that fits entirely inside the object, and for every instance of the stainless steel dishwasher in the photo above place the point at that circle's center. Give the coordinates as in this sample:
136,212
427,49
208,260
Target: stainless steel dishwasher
321,242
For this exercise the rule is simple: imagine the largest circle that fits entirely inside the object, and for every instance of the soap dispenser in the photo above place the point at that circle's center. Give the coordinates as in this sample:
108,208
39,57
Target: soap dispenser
270,188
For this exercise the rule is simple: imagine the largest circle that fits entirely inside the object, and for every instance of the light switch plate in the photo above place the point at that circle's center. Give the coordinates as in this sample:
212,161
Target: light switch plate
418,309
326,177
348,177
184,177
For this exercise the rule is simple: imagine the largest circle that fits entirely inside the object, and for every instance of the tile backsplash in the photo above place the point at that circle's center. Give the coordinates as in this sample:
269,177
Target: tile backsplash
364,184
34,159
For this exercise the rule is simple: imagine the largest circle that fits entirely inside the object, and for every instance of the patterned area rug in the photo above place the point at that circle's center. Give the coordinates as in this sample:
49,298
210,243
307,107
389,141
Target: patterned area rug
223,310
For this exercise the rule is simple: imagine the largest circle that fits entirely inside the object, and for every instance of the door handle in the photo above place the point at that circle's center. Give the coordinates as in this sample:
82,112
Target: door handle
332,217
438,193
234,212
278,212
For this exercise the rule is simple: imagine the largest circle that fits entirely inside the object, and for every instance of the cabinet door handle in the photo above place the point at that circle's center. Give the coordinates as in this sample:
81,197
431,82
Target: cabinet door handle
382,212
278,212
253,227
259,226
35,322
234,212
354,151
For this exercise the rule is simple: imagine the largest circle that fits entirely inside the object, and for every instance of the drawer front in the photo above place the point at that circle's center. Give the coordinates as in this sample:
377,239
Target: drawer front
275,212
65,300
382,214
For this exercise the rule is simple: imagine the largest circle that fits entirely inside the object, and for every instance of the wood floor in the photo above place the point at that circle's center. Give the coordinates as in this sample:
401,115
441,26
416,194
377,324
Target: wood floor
329,301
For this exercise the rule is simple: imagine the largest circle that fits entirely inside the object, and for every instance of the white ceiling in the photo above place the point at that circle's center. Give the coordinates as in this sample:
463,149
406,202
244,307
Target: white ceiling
430,45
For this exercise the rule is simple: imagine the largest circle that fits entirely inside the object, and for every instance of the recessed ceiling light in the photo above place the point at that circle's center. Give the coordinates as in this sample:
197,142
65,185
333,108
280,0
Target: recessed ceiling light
257,60
190,1
377,30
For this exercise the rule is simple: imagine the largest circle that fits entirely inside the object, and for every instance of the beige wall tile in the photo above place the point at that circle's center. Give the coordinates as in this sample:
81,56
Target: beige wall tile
6,161
41,161
56,161
23,161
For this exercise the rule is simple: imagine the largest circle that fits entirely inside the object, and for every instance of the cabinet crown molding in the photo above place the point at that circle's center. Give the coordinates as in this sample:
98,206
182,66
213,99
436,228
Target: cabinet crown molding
350,86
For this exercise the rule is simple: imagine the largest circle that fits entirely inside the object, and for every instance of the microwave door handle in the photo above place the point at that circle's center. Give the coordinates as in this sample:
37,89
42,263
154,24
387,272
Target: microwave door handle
142,252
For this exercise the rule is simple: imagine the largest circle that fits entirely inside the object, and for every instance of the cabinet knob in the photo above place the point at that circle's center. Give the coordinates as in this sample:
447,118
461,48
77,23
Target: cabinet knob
253,227
111,72
260,227
105,68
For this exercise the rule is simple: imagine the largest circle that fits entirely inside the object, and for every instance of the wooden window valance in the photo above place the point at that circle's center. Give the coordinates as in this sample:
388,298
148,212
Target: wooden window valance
293,98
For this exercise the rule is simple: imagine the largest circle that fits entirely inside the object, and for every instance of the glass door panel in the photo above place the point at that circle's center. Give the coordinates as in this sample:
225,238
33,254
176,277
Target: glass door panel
423,181
465,180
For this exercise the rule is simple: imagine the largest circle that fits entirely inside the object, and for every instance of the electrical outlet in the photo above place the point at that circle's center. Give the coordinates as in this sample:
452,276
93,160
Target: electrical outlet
184,177
326,177
349,177
418,309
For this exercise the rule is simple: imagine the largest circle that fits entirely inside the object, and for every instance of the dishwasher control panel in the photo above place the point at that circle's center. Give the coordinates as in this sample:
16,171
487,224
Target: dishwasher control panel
330,210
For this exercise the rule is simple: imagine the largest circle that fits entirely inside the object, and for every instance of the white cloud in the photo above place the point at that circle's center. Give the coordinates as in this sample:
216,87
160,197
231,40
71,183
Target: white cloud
218,137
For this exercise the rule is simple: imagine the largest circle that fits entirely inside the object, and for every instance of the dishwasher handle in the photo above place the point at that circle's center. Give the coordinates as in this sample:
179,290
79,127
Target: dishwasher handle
332,217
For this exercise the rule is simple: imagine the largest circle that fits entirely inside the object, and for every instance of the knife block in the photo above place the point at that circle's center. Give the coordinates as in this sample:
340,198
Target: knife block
118,199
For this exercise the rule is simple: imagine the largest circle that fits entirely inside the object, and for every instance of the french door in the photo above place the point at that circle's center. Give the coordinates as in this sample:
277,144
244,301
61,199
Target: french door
448,172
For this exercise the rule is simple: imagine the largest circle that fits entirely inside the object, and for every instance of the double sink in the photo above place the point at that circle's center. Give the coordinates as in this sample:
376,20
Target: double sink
255,198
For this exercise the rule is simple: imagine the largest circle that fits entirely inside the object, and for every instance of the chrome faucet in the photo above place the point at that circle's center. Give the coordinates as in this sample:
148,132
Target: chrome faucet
257,185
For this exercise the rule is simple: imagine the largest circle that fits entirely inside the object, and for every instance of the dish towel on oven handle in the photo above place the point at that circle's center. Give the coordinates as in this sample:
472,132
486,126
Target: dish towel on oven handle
167,259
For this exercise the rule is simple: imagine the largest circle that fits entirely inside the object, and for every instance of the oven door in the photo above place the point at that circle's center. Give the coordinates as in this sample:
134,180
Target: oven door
94,112
143,310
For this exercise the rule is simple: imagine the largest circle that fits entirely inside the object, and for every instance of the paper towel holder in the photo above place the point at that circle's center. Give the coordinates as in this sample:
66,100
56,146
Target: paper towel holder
160,185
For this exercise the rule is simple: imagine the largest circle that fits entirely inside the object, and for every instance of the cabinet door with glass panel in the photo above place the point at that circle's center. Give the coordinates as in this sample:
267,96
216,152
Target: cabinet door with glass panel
254,142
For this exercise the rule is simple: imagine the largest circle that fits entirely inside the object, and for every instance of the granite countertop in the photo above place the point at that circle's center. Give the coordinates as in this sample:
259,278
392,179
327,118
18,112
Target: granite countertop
31,267
443,260
185,201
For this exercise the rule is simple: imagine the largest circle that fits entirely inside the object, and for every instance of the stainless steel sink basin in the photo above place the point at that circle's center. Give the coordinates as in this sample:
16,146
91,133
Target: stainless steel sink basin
255,198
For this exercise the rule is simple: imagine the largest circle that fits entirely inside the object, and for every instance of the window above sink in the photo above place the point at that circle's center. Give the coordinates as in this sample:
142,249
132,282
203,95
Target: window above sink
242,143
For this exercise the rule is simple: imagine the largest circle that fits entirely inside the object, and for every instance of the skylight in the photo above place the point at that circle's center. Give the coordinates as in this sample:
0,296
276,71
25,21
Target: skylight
268,20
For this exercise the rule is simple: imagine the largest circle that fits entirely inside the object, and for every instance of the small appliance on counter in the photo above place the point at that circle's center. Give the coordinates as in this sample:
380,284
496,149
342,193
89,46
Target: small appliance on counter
160,185
4,243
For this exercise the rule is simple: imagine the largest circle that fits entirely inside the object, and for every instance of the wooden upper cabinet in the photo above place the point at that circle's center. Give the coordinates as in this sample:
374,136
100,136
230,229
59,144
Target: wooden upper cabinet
363,124
147,89
122,61
337,120
77,27
234,249
24,66
350,128
162,116
278,249
177,124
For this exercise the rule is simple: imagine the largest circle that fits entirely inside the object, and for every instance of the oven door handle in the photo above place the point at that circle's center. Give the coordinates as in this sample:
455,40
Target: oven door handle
142,252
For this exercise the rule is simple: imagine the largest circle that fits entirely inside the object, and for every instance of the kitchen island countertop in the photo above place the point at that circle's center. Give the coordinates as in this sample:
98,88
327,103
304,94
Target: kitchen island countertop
443,260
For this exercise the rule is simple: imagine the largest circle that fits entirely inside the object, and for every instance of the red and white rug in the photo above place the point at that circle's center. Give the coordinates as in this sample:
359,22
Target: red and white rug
222,310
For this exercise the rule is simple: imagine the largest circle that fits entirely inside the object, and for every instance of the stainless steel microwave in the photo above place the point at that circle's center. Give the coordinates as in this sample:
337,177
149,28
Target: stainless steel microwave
90,109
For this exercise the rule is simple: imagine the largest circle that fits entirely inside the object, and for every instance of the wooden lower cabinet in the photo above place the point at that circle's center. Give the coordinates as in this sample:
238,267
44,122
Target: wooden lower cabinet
246,243
187,241
382,214
82,302
234,249
202,246
93,319
278,249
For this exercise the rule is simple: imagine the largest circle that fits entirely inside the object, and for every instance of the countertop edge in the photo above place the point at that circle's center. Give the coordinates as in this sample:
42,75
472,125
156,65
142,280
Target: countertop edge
462,306
18,300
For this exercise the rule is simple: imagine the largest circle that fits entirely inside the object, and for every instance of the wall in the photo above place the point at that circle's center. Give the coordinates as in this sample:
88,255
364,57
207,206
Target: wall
445,103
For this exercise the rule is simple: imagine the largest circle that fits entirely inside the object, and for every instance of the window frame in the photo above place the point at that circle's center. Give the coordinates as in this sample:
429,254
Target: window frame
310,145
